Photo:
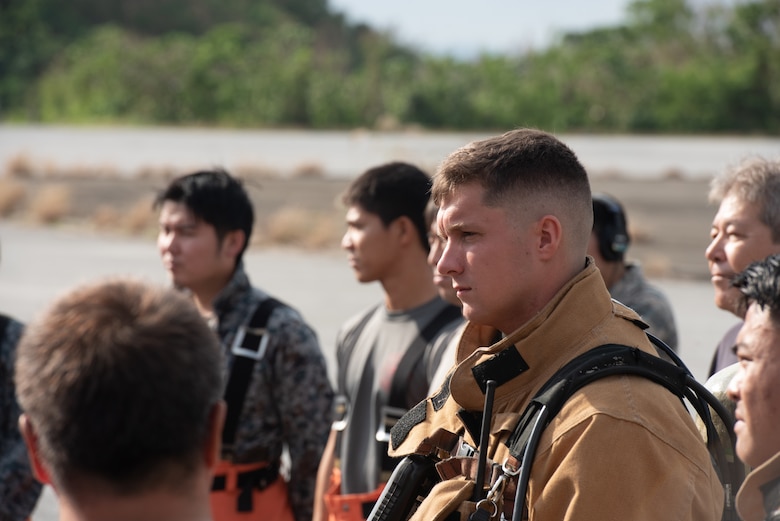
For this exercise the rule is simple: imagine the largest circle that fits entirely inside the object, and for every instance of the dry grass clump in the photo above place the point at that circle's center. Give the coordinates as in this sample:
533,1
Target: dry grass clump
253,171
105,217
295,226
12,193
309,171
20,166
141,217
50,204
673,174
290,225
325,233
85,171
166,172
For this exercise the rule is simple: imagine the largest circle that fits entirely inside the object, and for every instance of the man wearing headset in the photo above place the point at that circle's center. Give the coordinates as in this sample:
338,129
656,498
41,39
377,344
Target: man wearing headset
625,281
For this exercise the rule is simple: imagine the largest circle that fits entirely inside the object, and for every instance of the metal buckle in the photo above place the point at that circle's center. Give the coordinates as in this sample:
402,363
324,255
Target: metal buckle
226,452
238,348
390,415
340,412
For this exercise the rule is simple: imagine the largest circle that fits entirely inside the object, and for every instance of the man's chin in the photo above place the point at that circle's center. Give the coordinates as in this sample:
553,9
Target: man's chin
472,315
177,282
729,301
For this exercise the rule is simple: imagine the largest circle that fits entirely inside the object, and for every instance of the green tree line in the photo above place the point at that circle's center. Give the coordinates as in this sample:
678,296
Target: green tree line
671,66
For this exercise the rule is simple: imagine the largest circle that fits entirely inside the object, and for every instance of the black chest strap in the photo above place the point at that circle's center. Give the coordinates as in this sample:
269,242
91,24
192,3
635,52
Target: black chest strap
398,404
249,346
414,354
4,321
609,360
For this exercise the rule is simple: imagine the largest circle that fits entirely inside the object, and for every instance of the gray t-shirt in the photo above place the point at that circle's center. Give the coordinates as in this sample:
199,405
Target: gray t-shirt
366,380
444,354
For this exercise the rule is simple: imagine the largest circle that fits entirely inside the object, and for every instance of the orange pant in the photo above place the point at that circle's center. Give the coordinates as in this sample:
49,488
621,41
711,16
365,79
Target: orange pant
348,507
269,504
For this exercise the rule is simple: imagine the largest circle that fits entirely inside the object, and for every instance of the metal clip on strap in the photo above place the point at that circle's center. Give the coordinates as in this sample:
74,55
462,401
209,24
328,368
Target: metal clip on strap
250,334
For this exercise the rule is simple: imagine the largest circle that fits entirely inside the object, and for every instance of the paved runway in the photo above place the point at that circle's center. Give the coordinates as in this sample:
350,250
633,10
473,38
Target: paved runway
39,263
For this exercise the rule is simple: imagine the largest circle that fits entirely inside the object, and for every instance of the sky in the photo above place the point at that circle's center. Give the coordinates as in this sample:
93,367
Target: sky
465,28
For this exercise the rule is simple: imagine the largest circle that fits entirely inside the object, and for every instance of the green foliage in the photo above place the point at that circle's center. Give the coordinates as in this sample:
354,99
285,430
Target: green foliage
673,66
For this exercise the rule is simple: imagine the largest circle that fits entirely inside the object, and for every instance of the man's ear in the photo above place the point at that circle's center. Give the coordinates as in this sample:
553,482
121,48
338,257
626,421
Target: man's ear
549,236
30,438
407,231
233,242
213,445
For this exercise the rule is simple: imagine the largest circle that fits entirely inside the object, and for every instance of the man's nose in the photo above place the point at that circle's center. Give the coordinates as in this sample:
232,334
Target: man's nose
346,241
447,264
714,249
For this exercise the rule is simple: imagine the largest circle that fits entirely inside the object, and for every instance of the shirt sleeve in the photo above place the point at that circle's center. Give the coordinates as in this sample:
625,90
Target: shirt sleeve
305,398
19,491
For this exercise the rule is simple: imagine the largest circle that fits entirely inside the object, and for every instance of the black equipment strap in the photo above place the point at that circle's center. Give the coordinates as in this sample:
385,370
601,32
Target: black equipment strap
609,360
254,336
4,321
247,482
397,402
415,353
345,353
600,362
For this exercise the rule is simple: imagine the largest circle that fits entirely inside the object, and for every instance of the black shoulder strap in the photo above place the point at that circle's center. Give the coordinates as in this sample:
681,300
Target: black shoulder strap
609,360
248,347
345,350
415,353
4,321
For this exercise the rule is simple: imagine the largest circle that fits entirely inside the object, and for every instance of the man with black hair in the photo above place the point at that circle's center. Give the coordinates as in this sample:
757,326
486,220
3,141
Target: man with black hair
756,392
625,281
277,389
385,354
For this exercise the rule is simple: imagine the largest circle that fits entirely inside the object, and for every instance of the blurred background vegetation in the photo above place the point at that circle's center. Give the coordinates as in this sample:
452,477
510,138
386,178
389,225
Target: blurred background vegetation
673,66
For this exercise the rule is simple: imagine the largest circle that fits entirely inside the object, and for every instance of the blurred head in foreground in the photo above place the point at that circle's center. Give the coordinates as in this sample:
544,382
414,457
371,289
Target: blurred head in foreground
120,387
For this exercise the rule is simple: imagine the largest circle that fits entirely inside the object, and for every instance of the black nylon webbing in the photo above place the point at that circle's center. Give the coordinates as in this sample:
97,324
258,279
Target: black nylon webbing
4,320
414,354
241,371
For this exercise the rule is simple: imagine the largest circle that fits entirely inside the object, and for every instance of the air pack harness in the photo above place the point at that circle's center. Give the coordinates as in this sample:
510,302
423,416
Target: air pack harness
417,474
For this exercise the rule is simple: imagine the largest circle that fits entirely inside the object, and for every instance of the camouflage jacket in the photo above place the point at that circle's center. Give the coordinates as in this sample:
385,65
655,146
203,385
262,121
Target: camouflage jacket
634,291
19,491
288,402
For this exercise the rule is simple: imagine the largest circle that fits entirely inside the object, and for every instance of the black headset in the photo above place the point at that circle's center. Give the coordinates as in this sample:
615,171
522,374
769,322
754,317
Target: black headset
609,223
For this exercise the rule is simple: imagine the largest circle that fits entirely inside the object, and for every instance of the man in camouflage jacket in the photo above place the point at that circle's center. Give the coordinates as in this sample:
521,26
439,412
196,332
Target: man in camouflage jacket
205,224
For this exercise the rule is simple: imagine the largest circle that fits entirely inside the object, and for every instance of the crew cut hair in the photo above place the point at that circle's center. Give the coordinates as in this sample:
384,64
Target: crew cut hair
522,164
